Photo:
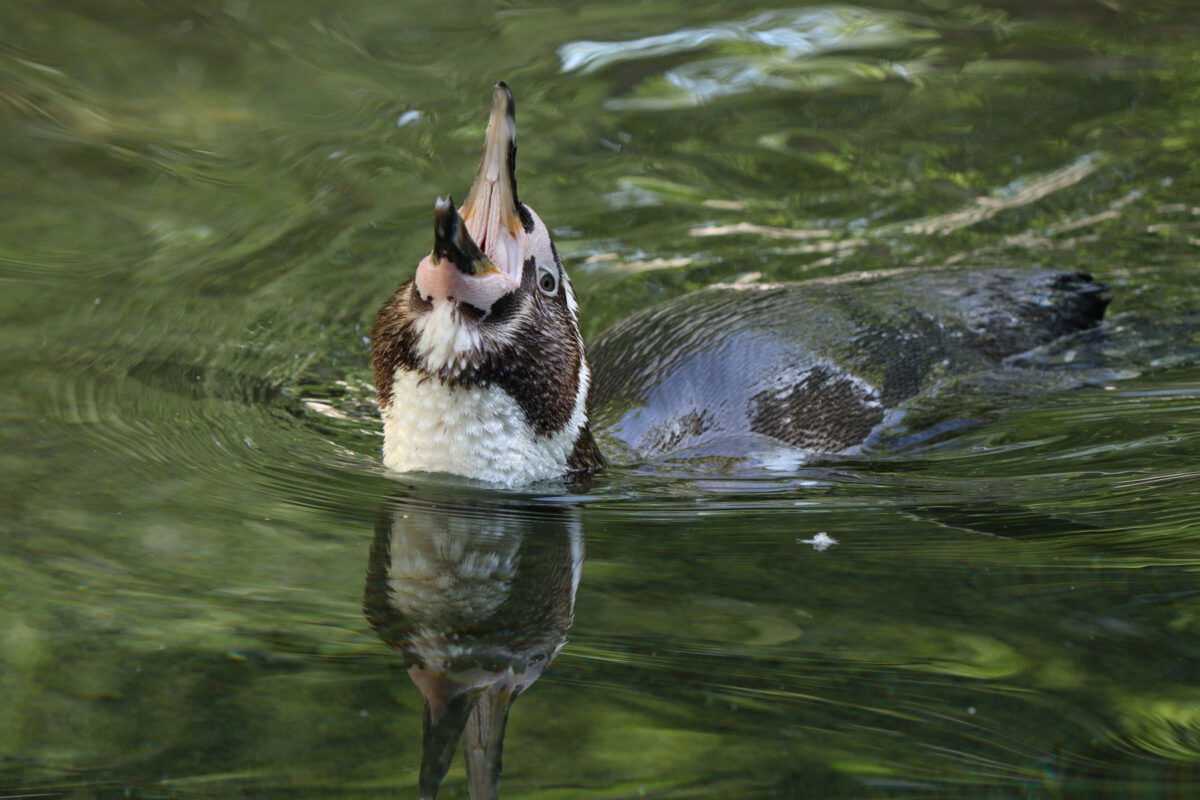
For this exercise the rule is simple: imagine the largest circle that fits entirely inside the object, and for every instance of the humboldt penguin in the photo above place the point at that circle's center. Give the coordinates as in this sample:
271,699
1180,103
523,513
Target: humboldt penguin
479,363
481,371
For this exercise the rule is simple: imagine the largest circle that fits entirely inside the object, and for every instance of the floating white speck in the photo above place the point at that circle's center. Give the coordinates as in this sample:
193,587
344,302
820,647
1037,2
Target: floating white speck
821,542
407,118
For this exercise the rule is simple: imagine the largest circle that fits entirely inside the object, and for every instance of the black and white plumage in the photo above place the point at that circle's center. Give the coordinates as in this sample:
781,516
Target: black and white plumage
478,359
481,370
819,366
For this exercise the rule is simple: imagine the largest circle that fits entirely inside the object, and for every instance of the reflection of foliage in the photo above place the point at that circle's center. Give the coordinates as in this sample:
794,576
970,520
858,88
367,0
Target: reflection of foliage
1168,726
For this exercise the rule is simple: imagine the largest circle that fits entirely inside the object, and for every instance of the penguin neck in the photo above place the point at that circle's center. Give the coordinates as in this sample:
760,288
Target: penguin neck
480,431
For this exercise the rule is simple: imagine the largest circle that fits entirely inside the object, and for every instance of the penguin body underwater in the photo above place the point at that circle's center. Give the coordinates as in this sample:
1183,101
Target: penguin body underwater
481,370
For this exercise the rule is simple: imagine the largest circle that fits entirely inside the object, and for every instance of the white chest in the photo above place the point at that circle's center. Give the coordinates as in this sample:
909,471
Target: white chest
477,432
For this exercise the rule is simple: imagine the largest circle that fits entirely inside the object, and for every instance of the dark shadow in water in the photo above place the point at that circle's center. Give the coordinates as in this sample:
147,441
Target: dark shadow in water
478,598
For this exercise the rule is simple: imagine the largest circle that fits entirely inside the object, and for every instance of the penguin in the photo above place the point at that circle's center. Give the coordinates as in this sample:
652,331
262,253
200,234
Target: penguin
479,363
481,370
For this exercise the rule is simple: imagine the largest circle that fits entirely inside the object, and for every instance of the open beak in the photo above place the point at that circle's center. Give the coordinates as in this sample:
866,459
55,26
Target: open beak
492,211
447,707
484,239
483,740
452,242
477,715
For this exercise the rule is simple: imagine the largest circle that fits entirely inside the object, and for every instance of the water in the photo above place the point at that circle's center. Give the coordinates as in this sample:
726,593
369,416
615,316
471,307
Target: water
204,205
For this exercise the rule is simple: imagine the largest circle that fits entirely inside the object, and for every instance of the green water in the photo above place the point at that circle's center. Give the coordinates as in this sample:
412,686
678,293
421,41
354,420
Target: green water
202,206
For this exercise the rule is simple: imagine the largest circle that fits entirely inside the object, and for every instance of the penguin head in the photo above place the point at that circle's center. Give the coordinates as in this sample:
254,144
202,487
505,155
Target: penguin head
493,283
494,247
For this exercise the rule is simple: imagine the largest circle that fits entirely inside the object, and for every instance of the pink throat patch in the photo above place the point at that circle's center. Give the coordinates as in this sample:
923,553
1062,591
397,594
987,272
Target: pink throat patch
445,282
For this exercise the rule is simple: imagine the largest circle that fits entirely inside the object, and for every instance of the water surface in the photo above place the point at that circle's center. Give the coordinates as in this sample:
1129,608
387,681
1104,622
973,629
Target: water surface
203,205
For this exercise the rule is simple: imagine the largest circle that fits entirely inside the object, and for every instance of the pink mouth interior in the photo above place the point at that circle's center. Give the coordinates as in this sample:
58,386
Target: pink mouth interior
491,216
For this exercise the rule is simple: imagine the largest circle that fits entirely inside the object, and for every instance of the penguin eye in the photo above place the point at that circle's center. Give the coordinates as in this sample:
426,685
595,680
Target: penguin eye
548,283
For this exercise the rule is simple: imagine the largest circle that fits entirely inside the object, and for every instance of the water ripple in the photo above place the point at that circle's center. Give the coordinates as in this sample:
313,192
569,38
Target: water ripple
795,33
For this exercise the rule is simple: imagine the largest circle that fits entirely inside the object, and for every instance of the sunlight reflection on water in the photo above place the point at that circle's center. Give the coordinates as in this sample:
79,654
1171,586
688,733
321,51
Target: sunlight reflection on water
782,45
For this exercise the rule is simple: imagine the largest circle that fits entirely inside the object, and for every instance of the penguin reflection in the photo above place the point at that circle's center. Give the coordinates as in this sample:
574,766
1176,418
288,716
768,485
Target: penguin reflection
478,599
